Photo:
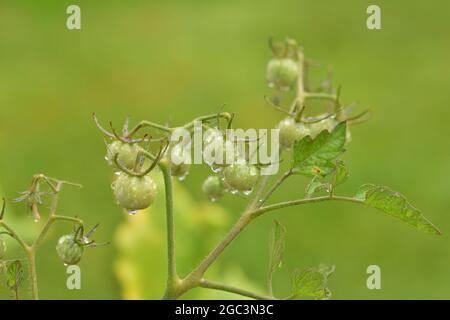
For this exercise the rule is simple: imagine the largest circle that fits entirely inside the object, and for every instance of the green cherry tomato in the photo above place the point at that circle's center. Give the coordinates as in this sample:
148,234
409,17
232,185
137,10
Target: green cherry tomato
2,248
178,166
127,153
215,146
134,193
241,177
290,131
213,188
317,127
282,73
69,250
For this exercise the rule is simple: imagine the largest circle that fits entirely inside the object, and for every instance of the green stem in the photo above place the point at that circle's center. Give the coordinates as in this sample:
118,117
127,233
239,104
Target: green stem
256,201
300,95
223,115
320,95
14,235
291,203
31,256
223,287
172,277
47,226
144,124
277,184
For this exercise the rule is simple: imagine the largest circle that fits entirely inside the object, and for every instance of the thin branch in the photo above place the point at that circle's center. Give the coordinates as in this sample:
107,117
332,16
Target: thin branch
277,184
171,257
224,115
15,236
223,287
291,203
144,124
320,95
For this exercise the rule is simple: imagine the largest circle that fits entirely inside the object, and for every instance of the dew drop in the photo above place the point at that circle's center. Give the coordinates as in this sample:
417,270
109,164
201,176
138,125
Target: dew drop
65,264
181,178
233,191
248,192
132,212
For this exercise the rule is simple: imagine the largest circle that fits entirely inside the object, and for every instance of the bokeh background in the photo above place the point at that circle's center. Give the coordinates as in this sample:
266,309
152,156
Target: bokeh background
174,60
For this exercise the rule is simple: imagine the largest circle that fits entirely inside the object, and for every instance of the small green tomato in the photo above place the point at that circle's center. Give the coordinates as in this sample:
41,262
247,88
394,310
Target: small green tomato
282,73
69,249
317,127
134,193
241,177
2,248
290,131
213,188
178,166
127,153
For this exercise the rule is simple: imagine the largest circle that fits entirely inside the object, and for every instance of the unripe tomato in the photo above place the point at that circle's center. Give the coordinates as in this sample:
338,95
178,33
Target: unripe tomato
127,153
213,188
282,73
241,177
218,151
180,170
2,248
317,127
178,166
134,193
290,131
69,250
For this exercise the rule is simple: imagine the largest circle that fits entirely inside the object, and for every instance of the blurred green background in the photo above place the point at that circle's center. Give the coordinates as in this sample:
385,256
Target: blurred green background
174,60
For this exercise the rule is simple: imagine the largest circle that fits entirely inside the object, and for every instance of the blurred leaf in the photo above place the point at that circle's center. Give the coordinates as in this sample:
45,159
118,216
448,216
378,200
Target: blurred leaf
341,173
277,247
141,243
314,157
396,205
312,282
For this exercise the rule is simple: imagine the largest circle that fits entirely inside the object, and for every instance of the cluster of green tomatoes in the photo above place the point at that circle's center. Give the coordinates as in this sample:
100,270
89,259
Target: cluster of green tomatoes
135,191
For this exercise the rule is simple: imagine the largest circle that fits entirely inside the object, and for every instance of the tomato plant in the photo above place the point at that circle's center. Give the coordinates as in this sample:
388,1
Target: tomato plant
310,142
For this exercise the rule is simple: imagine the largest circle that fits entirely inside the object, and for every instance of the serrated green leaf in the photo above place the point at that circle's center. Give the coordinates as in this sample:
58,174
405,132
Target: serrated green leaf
396,205
314,186
341,173
314,157
312,283
277,247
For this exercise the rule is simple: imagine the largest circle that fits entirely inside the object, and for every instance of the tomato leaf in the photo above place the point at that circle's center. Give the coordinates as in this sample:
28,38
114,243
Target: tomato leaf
314,156
341,173
312,283
396,205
